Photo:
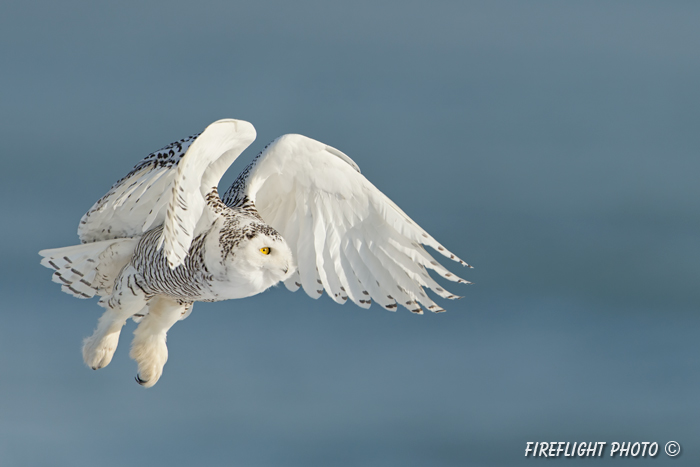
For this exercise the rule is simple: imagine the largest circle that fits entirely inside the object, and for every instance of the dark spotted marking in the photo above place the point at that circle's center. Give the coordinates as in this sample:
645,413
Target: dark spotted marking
77,292
64,280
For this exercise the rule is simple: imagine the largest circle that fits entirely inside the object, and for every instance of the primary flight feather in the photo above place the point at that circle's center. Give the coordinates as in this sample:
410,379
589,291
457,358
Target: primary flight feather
301,213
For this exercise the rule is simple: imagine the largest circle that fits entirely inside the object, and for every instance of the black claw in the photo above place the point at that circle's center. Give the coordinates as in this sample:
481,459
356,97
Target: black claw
139,380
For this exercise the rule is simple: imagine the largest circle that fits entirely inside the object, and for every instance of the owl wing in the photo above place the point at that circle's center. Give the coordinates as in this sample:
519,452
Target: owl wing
347,237
169,187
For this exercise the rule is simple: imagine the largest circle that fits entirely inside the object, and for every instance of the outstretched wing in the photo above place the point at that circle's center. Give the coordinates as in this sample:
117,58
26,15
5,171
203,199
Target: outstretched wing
348,238
169,187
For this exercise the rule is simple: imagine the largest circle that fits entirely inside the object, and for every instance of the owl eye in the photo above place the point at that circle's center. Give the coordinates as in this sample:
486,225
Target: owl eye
265,250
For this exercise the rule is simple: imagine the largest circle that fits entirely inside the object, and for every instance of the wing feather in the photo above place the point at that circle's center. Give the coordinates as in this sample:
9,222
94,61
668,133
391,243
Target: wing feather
169,187
306,256
117,214
412,263
363,276
293,282
375,260
347,237
335,276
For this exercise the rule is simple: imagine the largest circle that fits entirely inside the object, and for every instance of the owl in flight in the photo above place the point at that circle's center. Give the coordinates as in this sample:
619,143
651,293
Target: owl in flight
162,238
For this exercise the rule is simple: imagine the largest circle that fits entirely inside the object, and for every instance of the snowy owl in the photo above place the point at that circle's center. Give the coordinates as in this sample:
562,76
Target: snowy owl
301,212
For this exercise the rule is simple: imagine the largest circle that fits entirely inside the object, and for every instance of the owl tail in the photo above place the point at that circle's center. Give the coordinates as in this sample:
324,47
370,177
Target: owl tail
89,269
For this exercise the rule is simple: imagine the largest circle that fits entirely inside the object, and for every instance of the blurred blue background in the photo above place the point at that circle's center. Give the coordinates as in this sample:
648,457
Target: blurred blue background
554,145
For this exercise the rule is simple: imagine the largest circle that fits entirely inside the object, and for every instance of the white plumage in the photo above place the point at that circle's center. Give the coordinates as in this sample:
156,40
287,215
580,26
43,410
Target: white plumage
301,213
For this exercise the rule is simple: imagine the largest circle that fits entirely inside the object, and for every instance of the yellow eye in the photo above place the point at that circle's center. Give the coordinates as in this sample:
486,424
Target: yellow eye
265,251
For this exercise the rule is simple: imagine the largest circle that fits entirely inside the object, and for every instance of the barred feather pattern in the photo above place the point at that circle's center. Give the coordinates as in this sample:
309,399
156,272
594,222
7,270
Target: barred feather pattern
90,269
188,282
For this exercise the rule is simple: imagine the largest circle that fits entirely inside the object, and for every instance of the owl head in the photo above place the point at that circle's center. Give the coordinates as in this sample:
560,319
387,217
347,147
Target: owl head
255,257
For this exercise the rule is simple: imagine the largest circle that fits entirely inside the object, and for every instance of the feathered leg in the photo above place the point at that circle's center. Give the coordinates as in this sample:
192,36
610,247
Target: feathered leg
148,347
127,299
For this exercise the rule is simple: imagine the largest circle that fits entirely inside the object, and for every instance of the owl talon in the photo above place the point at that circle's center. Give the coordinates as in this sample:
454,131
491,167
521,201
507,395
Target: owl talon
139,380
